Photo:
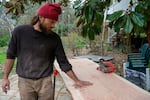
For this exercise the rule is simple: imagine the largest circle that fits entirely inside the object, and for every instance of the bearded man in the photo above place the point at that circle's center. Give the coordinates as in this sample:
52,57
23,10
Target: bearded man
36,46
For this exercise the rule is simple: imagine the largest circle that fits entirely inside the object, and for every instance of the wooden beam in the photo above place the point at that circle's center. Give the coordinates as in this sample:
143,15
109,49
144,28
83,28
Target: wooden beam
105,86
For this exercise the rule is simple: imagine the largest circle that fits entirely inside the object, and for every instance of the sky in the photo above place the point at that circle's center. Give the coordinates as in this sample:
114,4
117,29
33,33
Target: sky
8,0
2,0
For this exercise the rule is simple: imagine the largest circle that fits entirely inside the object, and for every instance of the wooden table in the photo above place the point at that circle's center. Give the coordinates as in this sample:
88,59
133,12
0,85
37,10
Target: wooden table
105,86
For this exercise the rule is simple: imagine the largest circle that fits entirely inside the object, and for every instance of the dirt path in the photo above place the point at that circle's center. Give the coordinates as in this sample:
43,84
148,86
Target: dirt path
13,94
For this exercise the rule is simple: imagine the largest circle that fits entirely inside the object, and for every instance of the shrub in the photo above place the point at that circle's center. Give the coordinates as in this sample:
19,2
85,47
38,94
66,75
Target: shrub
4,40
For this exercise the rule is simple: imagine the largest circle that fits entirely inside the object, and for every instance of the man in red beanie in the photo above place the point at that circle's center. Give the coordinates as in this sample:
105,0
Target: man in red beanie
36,46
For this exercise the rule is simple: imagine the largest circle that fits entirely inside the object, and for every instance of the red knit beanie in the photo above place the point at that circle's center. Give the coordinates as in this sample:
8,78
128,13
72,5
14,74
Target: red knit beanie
51,11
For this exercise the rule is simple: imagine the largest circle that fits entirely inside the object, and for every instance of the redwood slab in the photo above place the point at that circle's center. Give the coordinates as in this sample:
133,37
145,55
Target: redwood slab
105,86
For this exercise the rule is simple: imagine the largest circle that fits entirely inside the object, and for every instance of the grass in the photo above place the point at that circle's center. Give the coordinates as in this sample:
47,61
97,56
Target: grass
2,55
1,74
2,61
2,58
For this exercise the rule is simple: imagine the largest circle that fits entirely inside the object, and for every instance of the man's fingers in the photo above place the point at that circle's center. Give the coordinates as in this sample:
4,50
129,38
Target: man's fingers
76,86
81,84
5,87
8,87
87,83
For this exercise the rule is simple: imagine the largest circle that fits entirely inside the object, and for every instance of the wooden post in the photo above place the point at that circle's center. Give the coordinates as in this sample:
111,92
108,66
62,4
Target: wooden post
125,65
147,79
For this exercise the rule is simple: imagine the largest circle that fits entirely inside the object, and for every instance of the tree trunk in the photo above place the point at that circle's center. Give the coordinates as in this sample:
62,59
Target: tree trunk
148,37
128,43
147,31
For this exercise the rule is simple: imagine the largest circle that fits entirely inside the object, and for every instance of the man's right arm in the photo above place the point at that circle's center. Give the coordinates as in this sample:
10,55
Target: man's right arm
8,67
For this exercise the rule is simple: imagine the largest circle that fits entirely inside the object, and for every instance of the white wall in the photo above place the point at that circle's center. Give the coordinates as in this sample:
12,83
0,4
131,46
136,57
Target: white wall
122,5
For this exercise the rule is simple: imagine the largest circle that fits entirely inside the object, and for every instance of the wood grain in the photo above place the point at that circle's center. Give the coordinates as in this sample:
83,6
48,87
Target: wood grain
105,86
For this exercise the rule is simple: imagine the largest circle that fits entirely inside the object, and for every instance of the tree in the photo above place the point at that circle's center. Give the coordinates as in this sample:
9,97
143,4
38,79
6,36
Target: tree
18,6
7,24
91,16
133,21
144,7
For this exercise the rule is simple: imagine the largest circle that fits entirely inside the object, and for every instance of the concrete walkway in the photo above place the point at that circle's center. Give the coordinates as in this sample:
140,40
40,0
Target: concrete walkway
13,94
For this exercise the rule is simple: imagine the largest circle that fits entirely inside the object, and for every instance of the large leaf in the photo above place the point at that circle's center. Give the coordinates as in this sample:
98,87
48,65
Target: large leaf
96,29
98,20
91,34
137,19
119,23
88,12
91,15
115,15
128,26
78,4
138,29
84,30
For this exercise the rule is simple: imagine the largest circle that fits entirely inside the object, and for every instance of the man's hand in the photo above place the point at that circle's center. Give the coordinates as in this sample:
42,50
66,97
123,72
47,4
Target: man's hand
5,85
80,84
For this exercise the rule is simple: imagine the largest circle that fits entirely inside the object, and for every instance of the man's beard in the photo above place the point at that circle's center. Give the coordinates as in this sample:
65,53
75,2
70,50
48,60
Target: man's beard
44,29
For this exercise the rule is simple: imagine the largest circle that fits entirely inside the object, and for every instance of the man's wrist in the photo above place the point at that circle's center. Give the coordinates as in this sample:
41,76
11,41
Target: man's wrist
5,77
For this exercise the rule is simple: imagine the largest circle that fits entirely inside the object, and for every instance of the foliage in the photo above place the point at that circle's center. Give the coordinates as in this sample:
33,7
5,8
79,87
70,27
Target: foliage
6,23
2,61
66,23
17,7
2,58
144,7
90,15
61,29
4,40
108,48
127,20
74,42
133,21
77,41
29,13
1,74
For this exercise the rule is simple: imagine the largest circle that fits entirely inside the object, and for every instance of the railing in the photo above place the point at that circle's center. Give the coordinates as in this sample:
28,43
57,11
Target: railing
139,78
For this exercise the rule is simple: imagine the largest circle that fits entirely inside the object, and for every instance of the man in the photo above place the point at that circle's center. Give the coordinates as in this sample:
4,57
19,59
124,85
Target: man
36,47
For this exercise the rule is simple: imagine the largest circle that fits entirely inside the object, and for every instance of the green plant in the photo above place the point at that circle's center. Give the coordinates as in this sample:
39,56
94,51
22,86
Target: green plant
4,40
74,42
108,48
90,16
1,74
2,61
123,48
2,58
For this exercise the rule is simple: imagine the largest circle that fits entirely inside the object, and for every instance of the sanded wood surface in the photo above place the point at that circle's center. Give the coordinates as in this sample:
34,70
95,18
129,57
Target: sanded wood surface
105,86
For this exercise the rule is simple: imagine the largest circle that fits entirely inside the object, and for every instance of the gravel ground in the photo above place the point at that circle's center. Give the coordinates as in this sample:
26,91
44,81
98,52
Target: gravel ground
61,92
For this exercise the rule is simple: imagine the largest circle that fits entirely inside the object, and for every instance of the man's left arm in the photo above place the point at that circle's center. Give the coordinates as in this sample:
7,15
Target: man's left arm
66,66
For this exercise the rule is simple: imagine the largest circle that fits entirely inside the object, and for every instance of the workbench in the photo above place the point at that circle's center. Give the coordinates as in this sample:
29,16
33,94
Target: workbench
105,86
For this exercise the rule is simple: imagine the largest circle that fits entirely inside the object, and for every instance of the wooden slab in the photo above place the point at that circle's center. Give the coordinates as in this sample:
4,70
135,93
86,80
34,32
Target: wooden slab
105,86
